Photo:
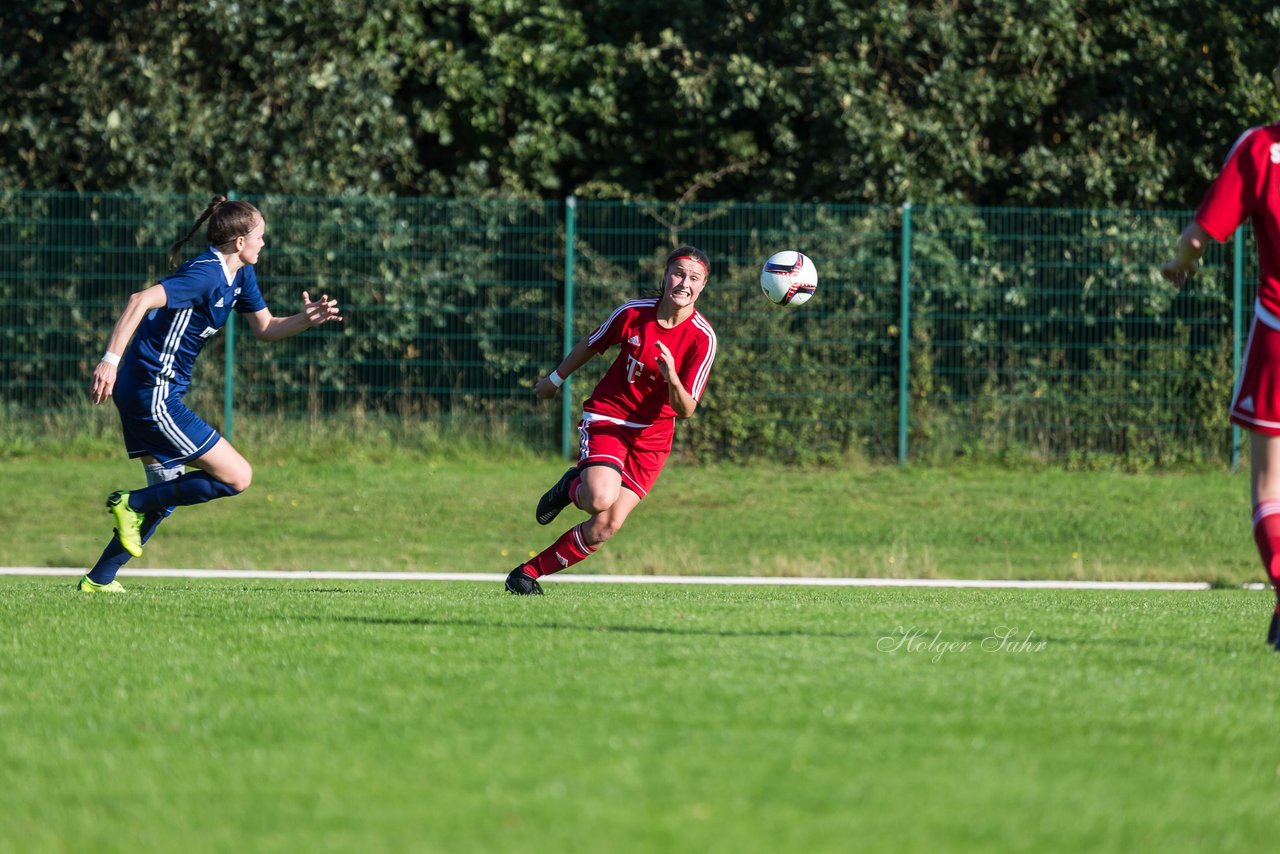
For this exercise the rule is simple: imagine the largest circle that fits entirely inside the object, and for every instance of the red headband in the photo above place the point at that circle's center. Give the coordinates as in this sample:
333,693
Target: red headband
690,258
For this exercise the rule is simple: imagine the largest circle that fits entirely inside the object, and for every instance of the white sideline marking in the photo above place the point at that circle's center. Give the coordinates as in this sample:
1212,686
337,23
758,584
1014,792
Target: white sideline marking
324,575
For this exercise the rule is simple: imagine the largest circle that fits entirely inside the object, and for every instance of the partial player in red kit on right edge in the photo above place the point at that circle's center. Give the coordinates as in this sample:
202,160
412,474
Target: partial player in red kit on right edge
665,351
1248,187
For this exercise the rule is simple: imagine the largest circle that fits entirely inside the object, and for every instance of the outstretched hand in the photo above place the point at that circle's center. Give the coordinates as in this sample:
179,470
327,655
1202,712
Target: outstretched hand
320,311
1176,271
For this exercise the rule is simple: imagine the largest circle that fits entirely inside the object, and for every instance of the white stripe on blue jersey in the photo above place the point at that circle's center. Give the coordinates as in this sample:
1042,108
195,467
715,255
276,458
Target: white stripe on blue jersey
199,299
172,341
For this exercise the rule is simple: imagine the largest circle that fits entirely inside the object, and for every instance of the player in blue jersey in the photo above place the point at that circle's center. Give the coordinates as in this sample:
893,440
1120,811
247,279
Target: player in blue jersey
147,368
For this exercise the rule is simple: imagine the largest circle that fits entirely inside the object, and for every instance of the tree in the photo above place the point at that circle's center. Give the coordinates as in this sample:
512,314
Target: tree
1083,103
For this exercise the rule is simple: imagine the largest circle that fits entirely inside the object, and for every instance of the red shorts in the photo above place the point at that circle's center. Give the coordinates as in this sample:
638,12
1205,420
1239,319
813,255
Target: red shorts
1256,402
635,452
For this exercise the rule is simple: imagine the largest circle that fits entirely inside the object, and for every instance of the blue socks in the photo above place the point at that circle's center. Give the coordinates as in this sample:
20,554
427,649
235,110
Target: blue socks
166,490
194,487
114,556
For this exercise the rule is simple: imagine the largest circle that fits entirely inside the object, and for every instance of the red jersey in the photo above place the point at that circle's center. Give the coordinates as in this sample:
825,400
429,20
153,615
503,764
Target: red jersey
1249,186
633,390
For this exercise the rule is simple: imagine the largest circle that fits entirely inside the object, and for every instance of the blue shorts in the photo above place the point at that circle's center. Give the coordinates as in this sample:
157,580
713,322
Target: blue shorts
157,423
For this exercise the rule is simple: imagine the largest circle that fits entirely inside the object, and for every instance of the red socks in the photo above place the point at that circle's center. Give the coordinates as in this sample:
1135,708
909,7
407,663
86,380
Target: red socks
571,548
1266,533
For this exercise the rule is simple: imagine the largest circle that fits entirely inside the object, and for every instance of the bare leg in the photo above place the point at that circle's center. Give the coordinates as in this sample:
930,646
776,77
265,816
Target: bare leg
601,494
224,462
605,523
1264,467
600,488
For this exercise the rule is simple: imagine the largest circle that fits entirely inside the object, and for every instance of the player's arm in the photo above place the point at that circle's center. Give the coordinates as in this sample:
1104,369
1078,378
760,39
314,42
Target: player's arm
314,312
1192,244
578,356
682,401
1235,194
104,375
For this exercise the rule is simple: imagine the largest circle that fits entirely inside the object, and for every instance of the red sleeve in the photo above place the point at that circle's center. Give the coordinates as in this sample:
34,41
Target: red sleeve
1236,191
699,358
611,331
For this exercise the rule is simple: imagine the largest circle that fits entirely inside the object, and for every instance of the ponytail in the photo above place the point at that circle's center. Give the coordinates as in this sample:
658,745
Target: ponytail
227,221
214,203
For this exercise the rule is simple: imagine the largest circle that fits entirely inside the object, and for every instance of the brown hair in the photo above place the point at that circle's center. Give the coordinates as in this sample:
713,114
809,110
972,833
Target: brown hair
227,221
688,252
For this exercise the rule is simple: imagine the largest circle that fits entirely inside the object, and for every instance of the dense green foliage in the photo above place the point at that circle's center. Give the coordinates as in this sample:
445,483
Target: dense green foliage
1078,102
1043,335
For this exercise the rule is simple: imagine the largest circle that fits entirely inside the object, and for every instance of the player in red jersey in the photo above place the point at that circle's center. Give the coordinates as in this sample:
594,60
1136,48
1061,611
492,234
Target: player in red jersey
1248,187
666,348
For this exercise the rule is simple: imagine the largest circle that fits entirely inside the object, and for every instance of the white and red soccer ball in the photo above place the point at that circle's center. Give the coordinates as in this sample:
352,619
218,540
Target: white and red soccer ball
789,278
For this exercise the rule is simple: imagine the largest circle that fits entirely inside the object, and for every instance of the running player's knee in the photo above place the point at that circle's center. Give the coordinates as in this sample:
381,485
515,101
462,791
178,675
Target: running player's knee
596,503
241,479
601,529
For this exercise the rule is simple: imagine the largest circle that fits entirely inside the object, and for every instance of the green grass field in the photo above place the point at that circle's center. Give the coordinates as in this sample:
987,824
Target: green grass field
309,715
338,509
445,717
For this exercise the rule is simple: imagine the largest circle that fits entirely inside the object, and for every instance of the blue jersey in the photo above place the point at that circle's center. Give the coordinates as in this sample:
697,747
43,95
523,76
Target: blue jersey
198,302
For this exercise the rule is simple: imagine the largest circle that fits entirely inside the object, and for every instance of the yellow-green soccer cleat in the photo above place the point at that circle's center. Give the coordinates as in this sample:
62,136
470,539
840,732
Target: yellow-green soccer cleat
87,586
128,522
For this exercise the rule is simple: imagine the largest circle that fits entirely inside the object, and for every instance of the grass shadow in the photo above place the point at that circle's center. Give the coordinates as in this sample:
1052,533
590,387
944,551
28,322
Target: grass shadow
597,627
974,640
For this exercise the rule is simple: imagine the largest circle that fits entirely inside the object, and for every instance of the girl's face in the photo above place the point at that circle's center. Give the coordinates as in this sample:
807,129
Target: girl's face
253,241
684,281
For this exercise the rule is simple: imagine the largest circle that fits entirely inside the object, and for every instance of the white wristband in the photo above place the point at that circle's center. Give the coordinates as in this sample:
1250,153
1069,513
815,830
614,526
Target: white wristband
556,379
110,358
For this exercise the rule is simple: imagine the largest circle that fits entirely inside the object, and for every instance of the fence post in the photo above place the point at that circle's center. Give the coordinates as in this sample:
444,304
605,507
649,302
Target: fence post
566,396
1237,327
228,374
904,334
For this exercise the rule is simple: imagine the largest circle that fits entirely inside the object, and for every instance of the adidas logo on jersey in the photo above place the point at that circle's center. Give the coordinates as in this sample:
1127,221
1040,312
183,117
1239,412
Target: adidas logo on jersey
634,340
219,303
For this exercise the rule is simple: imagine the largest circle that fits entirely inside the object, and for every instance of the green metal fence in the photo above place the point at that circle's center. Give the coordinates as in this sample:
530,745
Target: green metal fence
936,331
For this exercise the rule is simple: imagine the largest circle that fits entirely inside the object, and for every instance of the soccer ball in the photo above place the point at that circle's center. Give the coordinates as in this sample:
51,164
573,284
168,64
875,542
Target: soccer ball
789,278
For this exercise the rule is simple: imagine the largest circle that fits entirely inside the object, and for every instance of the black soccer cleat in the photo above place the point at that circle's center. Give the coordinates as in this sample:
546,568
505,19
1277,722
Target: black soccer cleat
556,498
521,584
